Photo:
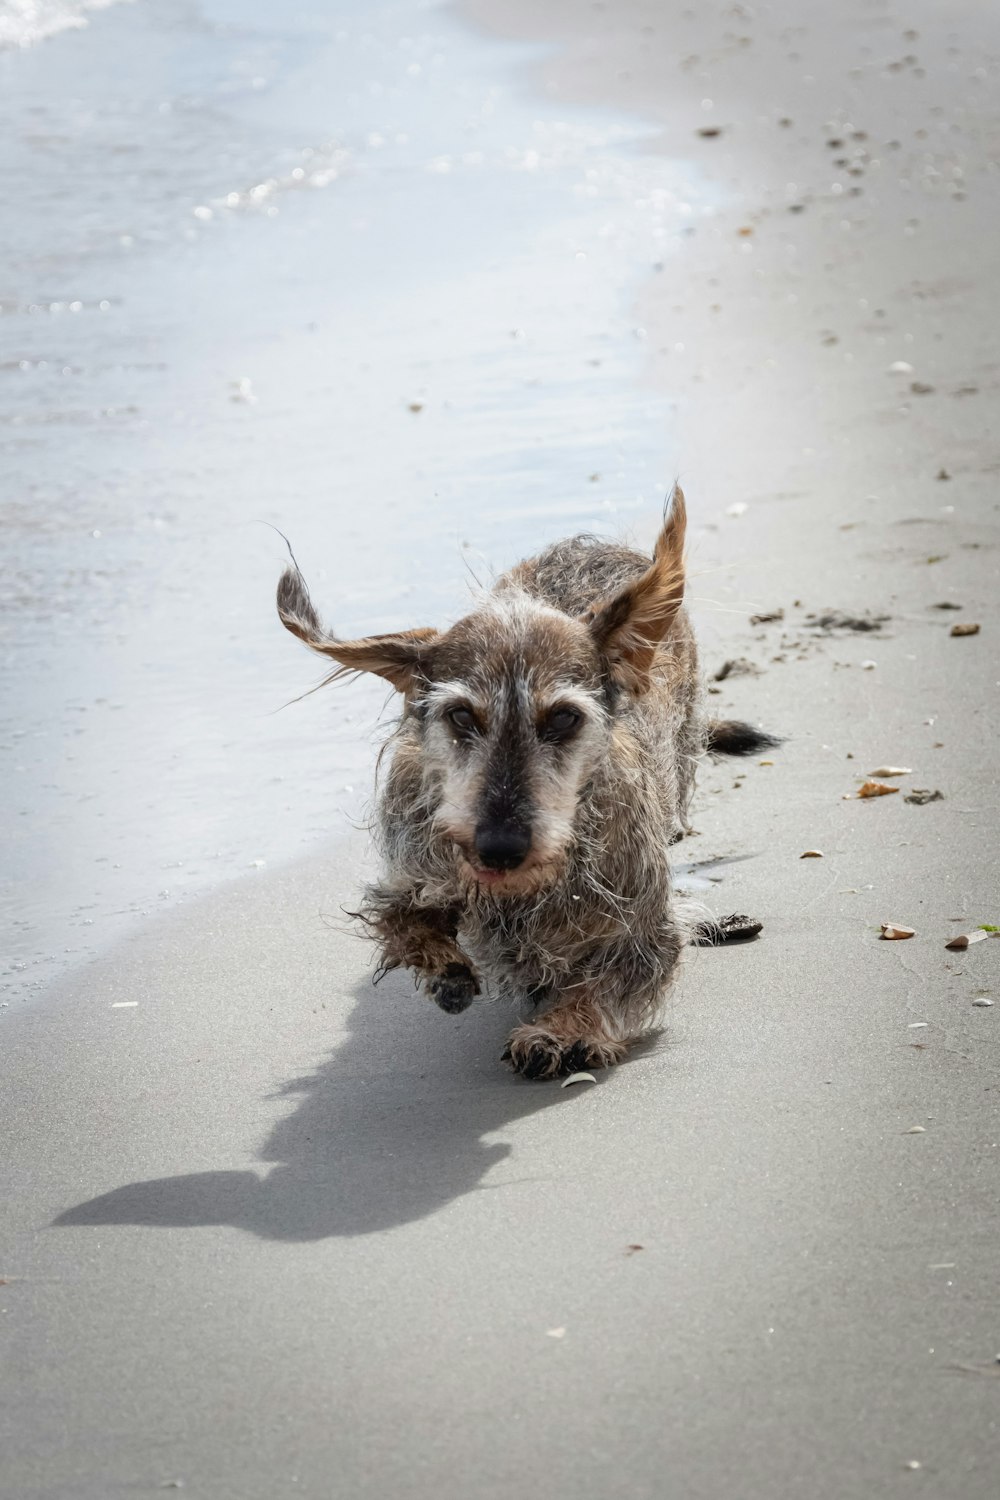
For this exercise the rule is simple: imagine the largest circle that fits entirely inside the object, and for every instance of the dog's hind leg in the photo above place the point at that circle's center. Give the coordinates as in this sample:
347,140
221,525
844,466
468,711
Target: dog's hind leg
424,939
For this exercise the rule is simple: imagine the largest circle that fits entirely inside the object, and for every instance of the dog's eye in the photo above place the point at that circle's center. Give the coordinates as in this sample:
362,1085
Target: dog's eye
560,723
462,719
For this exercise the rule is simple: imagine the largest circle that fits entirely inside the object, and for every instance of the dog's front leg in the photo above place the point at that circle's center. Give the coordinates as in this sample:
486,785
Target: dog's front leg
578,1032
424,939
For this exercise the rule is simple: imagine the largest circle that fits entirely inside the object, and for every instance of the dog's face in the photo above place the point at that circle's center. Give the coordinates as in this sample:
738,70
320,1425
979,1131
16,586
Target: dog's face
514,712
514,707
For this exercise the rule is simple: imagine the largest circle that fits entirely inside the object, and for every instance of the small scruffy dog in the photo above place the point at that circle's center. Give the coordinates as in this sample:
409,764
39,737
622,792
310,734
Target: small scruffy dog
542,767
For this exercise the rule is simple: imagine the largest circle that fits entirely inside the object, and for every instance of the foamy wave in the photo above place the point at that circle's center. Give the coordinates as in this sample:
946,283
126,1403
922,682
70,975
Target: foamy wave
25,22
319,168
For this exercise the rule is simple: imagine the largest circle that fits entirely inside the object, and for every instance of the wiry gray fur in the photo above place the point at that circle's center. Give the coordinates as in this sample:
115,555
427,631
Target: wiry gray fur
586,927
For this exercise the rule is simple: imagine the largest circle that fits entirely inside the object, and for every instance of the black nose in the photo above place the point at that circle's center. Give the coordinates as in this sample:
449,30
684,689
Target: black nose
502,847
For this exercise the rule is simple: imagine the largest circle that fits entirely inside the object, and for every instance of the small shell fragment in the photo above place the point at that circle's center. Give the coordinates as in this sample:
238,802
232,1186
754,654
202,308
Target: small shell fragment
967,628
876,789
577,1078
962,940
900,367
915,1130
892,932
892,771
555,1333
982,1001
811,854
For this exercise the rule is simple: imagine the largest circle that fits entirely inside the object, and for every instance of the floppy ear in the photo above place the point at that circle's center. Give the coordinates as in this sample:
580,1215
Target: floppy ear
395,657
629,626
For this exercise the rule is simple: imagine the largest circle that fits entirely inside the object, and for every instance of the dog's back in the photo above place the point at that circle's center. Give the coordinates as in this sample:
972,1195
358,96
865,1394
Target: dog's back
571,574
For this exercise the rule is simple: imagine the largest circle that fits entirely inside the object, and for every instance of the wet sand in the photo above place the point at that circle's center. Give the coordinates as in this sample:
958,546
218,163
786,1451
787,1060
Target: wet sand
270,1232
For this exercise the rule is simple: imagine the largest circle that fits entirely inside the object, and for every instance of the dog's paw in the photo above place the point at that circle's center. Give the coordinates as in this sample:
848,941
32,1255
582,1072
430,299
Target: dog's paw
454,989
534,1052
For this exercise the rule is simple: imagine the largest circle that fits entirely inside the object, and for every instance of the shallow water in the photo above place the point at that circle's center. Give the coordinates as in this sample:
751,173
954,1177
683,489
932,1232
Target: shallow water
331,269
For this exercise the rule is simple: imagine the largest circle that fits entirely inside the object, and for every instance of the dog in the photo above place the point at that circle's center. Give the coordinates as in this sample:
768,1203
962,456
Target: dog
542,767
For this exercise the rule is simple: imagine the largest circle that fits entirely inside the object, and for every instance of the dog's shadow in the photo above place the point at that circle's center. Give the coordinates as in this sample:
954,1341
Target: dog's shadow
389,1130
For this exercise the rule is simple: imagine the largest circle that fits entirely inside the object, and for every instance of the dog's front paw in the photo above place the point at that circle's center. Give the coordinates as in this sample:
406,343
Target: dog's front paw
454,989
534,1052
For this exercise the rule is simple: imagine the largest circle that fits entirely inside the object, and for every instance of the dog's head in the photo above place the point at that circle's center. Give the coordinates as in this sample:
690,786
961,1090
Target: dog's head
514,707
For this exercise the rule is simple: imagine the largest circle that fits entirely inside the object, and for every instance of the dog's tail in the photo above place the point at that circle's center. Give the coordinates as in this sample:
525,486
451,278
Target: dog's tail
734,737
